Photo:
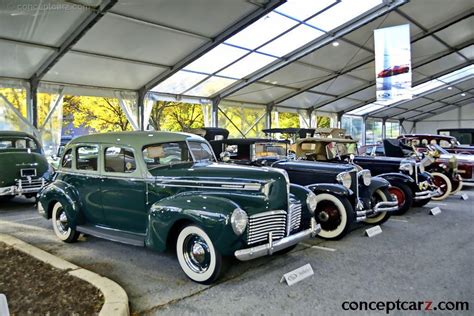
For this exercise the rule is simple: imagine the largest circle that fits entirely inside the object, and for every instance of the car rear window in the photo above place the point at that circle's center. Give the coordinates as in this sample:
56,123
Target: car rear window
17,143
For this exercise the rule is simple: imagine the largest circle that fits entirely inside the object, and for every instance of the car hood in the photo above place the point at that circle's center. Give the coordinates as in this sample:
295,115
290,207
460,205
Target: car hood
240,181
316,166
11,164
461,158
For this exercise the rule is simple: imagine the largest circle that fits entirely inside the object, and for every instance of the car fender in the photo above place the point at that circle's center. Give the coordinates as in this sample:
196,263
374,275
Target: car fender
211,213
330,188
66,194
394,178
301,193
376,183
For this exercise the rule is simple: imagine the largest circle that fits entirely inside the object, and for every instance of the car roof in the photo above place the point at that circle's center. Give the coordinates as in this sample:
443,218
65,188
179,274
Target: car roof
426,135
326,140
248,141
136,138
16,133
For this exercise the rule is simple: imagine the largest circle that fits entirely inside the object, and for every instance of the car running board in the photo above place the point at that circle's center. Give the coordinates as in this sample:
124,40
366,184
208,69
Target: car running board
113,235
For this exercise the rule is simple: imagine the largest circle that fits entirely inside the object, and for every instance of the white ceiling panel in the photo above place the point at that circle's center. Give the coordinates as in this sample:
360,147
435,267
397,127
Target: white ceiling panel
439,65
339,105
425,49
466,85
94,71
117,36
437,106
442,93
365,94
335,58
365,34
305,100
258,93
206,17
296,75
456,98
458,33
27,22
468,52
416,76
22,60
337,86
432,12
366,72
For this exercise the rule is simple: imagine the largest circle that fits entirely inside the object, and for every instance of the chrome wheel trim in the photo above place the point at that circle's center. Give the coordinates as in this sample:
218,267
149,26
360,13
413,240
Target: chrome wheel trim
60,222
196,253
378,196
202,275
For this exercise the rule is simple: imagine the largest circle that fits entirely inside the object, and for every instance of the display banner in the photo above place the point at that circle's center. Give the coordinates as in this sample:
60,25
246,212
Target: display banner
393,63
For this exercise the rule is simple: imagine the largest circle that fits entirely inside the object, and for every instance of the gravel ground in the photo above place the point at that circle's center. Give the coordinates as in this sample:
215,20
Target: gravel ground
417,257
35,288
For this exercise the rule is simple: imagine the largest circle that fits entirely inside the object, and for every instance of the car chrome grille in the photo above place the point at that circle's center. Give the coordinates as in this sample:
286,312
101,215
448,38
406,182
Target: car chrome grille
30,184
294,216
260,225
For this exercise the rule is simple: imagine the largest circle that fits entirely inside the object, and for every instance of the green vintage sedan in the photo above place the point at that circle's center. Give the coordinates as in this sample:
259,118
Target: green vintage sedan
24,169
165,191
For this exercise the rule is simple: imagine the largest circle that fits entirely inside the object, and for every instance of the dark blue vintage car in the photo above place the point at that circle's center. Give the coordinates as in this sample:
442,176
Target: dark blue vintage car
345,194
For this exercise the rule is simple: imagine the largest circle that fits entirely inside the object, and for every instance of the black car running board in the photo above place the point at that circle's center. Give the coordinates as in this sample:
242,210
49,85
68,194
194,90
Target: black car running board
113,235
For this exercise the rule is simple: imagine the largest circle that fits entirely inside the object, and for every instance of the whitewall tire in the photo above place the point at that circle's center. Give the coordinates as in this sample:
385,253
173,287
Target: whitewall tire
197,256
334,214
442,181
61,224
380,217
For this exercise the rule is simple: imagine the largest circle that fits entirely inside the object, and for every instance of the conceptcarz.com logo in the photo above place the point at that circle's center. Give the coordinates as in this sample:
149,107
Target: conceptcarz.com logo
398,305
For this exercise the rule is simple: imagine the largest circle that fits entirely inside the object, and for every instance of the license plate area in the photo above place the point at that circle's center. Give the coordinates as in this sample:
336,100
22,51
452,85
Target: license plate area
30,172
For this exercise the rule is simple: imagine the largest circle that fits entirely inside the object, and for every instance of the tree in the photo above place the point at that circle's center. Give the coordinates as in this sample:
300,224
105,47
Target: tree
97,113
176,116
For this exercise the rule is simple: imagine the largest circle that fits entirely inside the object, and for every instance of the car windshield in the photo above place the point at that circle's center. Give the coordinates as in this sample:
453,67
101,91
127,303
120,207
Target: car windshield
167,154
335,149
271,149
17,143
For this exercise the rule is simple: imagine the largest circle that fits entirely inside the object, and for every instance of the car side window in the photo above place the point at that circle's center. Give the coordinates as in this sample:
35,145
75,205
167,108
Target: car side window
86,157
67,159
119,159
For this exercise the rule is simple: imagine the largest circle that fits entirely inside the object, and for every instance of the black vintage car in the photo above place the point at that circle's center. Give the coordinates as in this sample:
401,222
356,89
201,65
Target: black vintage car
409,183
345,194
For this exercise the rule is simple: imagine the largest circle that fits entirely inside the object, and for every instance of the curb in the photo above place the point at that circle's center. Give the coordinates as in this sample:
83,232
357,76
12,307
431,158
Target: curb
115,297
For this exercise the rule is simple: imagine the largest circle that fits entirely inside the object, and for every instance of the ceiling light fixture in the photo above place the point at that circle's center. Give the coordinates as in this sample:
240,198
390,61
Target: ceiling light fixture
450,88
463,94
335,44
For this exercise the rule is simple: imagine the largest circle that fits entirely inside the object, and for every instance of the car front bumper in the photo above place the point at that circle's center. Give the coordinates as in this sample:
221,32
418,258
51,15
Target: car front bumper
274,246
385,206
427,194
23,187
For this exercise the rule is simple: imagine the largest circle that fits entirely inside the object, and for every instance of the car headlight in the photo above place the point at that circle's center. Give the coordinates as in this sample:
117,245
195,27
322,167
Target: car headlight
366,177
345,179
406,167
239,221
311,202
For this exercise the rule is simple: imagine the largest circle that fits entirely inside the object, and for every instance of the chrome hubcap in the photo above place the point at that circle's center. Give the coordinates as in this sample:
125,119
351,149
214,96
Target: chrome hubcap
62,222
196,253
323,217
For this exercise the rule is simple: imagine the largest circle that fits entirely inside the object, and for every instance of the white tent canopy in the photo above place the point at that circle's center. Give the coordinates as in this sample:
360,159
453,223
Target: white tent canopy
269,53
